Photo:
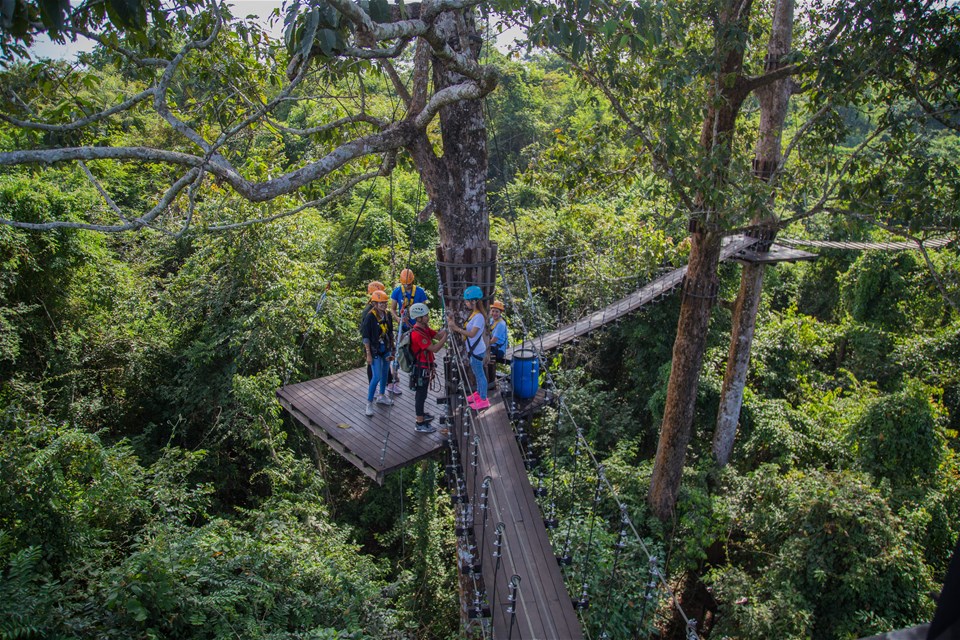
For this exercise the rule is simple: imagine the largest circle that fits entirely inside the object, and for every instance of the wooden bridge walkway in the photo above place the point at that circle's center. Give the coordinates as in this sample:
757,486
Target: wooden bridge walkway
479,447
647,294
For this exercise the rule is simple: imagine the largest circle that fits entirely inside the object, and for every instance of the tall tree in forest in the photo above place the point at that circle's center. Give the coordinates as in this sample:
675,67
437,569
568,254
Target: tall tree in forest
679,75
774,99
215,86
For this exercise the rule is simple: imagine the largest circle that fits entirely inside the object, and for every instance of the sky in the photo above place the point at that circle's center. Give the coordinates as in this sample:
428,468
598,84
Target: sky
45,48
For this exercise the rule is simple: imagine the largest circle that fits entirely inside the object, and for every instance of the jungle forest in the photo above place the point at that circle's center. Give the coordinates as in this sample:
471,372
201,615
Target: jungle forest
191,210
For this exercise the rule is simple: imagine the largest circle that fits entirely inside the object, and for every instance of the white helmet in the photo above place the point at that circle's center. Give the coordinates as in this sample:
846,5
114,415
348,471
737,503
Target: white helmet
418,310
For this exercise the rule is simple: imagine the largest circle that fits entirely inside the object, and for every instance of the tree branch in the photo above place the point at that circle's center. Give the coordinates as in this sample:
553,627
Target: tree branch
397,81
132,225
77,124
450,95
755,82
330,197
395,137
103,193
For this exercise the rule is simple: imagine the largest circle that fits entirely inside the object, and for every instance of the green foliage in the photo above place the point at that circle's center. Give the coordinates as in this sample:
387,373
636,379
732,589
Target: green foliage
790,349
898,438
931,356
772,431
816,554
92,542
869,352
24,20
25,597
874,289
277,573
427,587
63,491
818,288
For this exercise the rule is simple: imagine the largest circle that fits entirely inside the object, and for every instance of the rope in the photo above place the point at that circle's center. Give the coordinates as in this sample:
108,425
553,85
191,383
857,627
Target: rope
629,522
582,445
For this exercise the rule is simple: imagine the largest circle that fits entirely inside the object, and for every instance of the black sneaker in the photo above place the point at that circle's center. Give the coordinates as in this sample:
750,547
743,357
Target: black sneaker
425,427
427,417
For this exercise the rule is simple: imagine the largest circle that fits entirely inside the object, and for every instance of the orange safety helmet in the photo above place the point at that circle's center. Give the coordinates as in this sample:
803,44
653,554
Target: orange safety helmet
406,276
378,296
497,305
375,285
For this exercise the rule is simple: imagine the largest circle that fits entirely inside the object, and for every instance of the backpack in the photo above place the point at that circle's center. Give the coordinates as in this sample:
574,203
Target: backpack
405,359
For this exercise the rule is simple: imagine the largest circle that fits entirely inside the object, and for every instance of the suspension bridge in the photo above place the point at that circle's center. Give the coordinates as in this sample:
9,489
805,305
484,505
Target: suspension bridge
511,577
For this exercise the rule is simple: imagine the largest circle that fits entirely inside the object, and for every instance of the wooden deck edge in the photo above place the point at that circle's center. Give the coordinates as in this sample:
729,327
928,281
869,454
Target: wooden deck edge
377,474
321,433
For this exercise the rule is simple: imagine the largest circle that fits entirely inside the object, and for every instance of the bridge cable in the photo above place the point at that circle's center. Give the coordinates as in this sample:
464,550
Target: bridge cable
584,602
618,548
582,445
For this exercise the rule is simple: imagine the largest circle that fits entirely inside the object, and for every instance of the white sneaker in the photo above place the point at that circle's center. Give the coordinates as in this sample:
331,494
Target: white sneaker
395,389
369,410
384,399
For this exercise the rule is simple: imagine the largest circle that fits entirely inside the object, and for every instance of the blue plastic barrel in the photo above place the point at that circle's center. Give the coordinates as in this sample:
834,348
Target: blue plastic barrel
525,373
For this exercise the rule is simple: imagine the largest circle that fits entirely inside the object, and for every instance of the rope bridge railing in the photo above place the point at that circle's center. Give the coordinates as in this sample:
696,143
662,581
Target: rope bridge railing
543,339
937,243
656,591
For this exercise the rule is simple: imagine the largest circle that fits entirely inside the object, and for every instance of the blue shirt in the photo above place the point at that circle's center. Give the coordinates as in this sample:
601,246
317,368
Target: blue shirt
405,297
499,341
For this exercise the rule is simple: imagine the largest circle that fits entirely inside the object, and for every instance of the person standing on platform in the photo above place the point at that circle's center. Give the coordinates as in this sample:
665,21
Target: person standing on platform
375,285
424,343
475,339
377,332
404,295
499,341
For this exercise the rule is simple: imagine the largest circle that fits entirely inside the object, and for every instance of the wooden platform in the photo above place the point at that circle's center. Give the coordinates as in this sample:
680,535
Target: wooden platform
544,609
658,288
333,409
776,253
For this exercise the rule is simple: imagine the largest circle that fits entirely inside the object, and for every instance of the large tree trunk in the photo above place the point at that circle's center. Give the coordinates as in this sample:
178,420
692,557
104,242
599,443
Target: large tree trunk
700,287
699,292
738,359
456,182
774,99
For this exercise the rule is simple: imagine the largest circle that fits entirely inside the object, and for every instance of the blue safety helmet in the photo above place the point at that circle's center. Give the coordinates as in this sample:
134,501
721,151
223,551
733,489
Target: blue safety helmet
473,293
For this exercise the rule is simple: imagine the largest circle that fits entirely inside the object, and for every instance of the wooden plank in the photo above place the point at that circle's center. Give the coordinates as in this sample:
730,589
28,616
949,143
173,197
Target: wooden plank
335,445
324,404
543,609
776,253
